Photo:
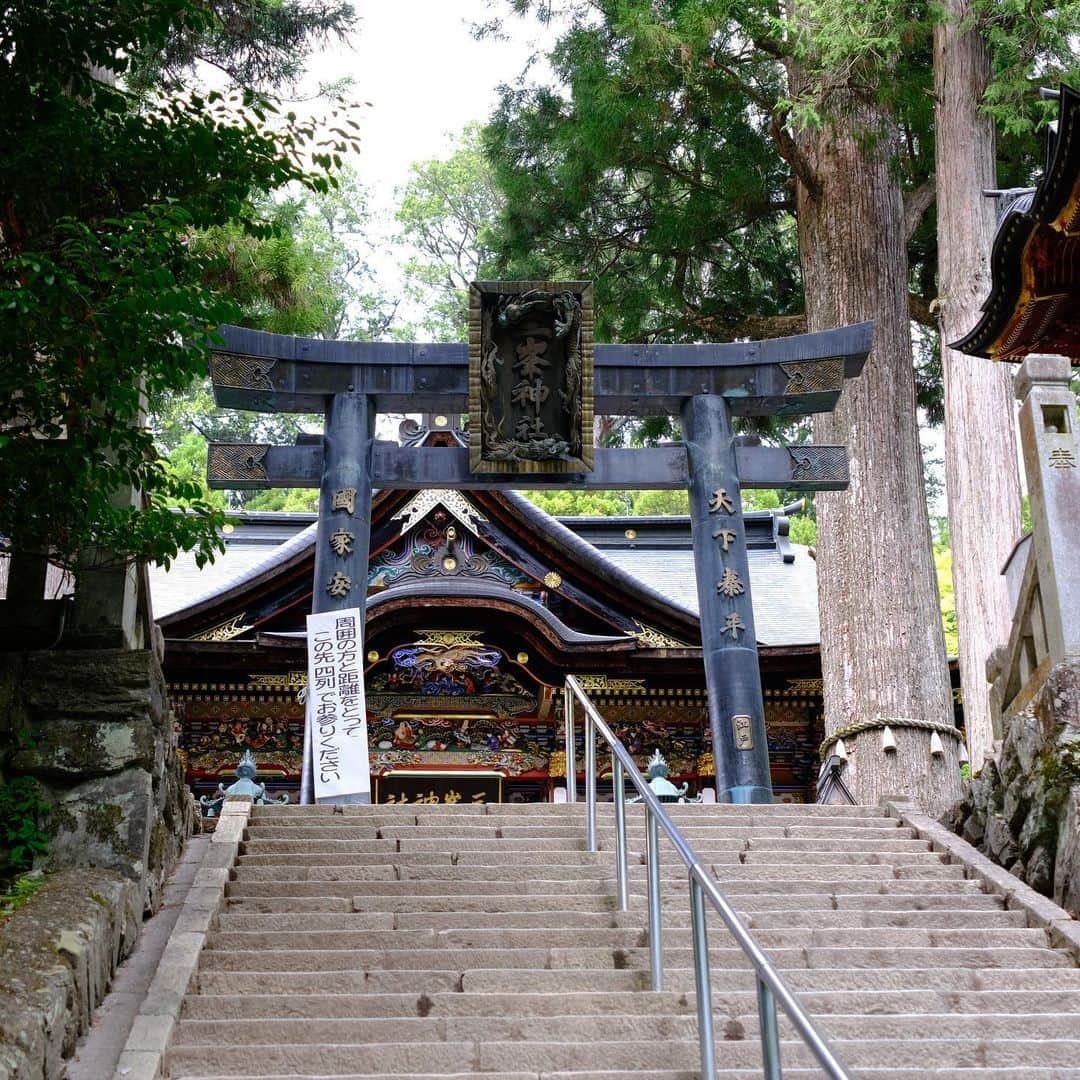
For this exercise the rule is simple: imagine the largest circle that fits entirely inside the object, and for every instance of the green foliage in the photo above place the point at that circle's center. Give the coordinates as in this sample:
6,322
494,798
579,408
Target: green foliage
447,213
281,279
581,503
305,271
293,500
103,297
1025,37
255,42
660,160
803,530
24,823
658,503
649,167
19,892
943,566
187,463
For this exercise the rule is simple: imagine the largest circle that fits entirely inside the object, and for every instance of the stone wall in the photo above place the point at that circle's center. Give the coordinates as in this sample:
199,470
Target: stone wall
1023,808
93,726
57,957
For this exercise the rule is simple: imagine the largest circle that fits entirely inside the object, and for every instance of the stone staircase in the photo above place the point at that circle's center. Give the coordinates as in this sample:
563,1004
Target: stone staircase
418,942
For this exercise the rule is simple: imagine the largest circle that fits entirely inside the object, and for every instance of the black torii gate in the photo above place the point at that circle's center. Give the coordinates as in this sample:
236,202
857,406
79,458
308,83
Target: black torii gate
528,339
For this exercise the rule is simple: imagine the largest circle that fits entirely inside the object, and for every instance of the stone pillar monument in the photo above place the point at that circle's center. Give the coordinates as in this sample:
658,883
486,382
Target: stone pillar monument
1052,463
1023,808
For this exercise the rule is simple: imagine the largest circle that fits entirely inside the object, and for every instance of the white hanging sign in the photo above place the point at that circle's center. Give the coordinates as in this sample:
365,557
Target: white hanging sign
336,710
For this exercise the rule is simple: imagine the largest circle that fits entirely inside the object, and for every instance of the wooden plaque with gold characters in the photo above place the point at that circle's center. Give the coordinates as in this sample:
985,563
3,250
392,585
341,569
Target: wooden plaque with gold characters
531,376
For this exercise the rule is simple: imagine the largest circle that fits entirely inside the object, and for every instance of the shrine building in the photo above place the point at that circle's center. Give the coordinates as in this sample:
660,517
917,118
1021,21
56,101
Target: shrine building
479,604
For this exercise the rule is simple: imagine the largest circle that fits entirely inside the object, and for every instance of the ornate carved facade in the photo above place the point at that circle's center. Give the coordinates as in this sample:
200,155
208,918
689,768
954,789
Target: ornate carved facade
479,604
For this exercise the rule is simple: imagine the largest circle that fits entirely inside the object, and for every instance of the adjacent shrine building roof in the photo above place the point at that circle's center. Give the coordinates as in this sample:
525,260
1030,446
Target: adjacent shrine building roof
1034,302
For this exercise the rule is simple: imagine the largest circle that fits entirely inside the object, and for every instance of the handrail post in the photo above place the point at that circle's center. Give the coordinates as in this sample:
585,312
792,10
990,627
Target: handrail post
571,748
656,946
702,981
771,988
622,870
770,1032
590,782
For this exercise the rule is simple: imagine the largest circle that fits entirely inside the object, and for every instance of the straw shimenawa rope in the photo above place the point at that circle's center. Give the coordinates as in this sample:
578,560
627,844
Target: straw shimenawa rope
879,722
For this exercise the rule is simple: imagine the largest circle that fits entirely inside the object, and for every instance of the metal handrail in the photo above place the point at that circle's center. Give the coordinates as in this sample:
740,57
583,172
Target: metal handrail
770,986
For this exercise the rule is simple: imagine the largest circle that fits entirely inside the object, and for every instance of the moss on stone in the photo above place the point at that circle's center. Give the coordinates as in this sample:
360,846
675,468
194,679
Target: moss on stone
103,823
159,838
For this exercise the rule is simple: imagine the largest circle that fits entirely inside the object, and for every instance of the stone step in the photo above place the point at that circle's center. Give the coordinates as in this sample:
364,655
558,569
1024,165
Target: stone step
445,856
380,981
509,981
534,831
532,811
939,919
800,980
600,887
761,874
570,937
970,899
737,841
754,842
420,920
443,1058
408,943
573,1027
487,828
266,1006
1010,1073
456,958
555,919
603,859
870,1003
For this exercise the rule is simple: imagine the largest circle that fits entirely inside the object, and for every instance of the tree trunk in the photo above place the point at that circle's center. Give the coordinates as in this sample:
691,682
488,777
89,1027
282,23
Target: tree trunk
980,444
882,644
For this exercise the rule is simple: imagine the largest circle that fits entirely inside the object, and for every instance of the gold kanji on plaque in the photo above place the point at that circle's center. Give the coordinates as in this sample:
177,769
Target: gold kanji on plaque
730,584
339,584
721,500
344,499
725,536
452,797
733,624
341,541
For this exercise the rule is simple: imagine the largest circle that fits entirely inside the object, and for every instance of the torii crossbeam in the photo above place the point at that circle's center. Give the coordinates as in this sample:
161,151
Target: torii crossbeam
530,363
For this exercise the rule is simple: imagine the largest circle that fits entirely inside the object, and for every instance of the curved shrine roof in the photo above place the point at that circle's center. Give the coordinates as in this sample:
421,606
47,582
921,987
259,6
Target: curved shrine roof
1034,301
633,575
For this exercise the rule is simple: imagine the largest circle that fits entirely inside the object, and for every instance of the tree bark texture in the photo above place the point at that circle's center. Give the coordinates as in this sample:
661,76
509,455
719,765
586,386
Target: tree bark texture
882,644
981,473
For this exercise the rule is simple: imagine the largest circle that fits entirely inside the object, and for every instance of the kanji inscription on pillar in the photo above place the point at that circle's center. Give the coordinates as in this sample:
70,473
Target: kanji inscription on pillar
730,585
339,584
721,500
725,536
742,728
530,377
341,541
344,499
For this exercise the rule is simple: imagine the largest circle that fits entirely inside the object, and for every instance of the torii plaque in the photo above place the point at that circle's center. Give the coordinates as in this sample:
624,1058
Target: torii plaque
530,377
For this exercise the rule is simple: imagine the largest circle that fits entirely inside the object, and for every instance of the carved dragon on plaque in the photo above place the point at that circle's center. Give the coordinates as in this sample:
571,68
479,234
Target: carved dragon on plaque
530,377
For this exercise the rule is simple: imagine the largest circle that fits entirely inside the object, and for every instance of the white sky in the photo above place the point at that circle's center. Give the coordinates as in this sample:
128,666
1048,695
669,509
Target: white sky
425,76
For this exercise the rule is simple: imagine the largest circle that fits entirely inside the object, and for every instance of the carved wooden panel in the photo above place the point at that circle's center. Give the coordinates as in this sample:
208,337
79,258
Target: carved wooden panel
531,376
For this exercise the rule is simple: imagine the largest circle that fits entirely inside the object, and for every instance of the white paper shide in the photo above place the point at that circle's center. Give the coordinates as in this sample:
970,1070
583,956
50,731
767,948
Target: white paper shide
335,706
